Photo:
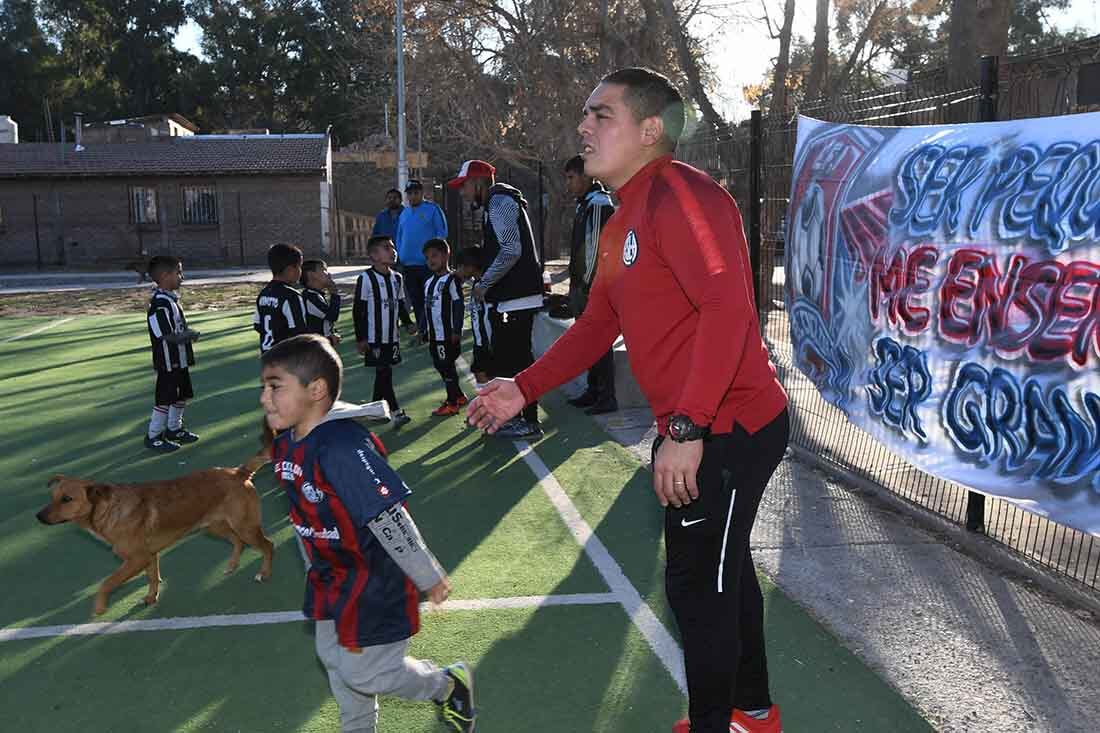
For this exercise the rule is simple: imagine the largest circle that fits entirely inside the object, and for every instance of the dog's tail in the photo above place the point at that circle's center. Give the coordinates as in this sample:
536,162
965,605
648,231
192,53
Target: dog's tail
263,456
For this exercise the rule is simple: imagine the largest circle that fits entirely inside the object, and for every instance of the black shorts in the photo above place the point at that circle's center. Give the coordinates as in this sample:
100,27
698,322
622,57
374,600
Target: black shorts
173,386
380,355
483,360
444,352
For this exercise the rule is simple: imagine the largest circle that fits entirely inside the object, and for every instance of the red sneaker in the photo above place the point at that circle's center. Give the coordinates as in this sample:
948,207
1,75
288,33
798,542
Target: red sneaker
446,410
463,401
742,723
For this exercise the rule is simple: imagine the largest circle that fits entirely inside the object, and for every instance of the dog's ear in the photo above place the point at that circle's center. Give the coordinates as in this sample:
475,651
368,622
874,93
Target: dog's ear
55,480
95,492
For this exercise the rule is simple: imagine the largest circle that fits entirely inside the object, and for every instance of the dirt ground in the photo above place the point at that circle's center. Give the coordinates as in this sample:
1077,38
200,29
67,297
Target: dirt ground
96,302
195,298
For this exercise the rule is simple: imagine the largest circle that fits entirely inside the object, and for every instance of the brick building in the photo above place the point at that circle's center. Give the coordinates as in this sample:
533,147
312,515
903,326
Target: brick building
212,199
148,128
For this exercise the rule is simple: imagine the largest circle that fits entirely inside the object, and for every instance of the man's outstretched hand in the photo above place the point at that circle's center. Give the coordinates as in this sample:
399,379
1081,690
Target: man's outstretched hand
497,403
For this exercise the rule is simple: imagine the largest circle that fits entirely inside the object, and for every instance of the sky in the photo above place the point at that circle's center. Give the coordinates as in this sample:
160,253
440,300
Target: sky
742,52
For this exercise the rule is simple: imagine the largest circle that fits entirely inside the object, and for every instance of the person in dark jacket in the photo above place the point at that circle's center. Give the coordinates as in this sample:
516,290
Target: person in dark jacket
512,281
594,208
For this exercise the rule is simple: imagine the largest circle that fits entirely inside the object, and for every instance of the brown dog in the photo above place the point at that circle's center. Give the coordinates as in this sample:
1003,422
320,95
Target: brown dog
140,520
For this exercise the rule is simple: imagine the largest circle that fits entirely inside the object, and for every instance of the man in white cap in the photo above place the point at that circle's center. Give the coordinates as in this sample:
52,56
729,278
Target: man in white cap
512,282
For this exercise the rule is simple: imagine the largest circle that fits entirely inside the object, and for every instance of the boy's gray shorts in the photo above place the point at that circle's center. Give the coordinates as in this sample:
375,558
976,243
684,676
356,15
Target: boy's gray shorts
357,678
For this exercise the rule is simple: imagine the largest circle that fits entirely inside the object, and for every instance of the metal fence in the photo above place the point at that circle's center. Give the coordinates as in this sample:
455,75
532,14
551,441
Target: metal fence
1043,84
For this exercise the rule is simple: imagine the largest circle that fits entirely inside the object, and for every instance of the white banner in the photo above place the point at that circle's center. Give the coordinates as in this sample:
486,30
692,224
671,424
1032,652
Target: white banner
943,289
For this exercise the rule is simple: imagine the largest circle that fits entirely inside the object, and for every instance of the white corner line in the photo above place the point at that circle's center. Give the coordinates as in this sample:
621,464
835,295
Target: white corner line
656,635
40,329
179,623
651,628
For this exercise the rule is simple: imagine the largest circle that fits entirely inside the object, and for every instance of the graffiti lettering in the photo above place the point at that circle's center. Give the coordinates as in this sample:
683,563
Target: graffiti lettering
931,184
896,284
1051,195
900,382
1048,195
992,416
1048,309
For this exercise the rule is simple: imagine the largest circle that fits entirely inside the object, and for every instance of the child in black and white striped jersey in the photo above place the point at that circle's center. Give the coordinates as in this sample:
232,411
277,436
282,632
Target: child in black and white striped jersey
444,313
322,311
171,341
471,265
380,301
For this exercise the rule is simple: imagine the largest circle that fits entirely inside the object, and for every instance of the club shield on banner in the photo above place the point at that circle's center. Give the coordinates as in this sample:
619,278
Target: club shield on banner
943,290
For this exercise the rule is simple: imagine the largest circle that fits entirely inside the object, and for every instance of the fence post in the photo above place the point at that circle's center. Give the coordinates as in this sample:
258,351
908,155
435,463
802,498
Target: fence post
37,238
756,195
987,112
240,227
542,225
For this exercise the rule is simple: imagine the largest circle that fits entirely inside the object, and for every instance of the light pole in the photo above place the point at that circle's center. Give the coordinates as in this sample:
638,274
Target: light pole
402,157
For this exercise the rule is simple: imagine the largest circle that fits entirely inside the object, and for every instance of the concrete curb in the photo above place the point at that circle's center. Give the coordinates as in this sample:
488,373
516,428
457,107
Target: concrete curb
979,546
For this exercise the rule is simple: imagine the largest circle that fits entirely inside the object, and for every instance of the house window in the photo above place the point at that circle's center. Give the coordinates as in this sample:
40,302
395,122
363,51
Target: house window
200,205
143,205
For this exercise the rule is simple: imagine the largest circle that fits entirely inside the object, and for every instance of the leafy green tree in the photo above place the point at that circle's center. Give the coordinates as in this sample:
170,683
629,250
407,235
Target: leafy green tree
117,55
30,70
290,65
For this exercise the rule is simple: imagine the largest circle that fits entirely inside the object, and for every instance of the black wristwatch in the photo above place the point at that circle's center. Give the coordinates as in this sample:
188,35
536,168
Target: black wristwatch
681,429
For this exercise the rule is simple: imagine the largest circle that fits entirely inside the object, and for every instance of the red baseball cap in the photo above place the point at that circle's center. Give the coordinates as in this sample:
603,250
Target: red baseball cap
472,169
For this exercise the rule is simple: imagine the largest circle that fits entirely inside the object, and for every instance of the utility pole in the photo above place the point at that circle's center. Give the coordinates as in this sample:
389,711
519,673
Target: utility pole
402,155
419,136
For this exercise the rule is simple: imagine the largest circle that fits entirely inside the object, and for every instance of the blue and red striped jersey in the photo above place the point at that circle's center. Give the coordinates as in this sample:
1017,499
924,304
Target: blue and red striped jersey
337,481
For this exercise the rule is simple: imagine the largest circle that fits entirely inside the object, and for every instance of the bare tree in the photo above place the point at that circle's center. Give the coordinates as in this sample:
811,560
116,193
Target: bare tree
819,67
779,81
690,65
856,59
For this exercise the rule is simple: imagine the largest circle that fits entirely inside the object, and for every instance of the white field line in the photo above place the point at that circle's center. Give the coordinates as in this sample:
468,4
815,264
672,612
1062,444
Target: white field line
623,591
40,329
178,623
643,617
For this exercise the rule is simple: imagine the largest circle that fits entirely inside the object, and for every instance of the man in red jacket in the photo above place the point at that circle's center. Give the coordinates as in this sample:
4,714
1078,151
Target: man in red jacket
674,278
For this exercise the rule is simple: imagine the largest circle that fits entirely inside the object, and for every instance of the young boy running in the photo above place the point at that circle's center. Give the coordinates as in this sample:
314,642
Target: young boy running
367,557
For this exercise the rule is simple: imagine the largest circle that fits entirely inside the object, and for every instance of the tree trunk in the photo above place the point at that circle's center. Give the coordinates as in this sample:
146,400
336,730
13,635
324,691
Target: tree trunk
994,18
604,40
978,28
819,68
779,83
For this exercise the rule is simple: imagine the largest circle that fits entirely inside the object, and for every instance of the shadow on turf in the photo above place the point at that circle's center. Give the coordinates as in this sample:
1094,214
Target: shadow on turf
476,519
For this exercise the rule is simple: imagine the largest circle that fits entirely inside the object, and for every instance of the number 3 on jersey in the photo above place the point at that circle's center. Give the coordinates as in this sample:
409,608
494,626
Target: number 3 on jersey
442,351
